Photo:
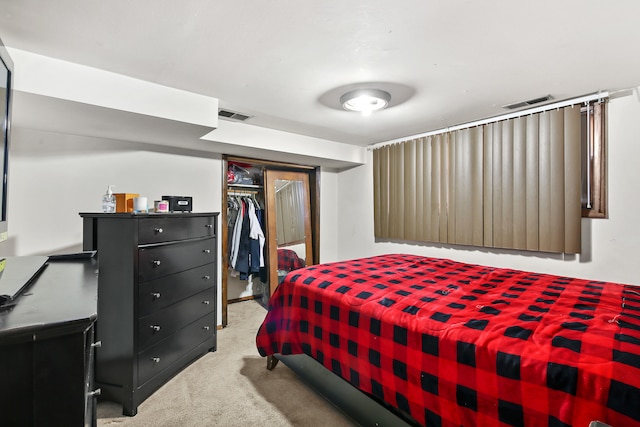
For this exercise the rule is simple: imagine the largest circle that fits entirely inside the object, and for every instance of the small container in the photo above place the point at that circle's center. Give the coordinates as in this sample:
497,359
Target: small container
139,205
109,201
124,201
161,206
179,203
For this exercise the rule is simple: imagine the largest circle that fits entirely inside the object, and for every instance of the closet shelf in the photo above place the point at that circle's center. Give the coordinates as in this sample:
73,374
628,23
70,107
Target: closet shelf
244,186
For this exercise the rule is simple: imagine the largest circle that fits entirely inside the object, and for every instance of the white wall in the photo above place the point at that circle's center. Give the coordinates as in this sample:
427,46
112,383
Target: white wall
329,216
611,247
53,177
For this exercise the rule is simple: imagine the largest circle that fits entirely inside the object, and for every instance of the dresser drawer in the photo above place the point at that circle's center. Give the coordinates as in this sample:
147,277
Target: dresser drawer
158,357
159,293
161,260
163,229
162,323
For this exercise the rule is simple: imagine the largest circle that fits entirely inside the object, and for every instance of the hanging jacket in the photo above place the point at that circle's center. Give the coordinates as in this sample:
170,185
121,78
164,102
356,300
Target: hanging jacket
257,240
237,231
242,265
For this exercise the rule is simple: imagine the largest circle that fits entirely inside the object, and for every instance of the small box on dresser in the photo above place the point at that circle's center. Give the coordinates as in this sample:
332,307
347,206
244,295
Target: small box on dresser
157,298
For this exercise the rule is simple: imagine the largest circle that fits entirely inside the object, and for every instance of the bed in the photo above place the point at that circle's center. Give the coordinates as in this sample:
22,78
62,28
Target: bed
455,344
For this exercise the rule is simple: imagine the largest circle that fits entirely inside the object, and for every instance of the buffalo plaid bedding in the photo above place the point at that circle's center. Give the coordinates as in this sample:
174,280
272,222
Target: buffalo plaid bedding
454,344
288,260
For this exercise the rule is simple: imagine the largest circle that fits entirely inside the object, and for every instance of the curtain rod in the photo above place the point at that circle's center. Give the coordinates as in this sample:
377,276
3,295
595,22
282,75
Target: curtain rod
546,107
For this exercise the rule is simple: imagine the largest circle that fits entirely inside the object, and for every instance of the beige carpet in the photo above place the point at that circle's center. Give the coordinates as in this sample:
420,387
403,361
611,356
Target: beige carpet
231,387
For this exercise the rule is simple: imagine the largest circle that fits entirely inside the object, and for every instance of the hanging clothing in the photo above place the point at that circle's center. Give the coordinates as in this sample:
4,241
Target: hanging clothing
243,258
246,254
237,230
257,236
232,216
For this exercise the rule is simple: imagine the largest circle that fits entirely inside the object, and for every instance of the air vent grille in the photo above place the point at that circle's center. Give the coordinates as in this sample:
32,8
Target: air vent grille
232,115
528,103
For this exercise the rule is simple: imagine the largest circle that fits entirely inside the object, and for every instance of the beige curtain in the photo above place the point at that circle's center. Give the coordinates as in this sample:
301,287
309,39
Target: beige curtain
430,189
509,184
466,187
290,213
532,182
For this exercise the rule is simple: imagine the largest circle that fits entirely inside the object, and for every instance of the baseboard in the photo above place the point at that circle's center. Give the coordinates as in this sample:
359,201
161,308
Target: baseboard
249,298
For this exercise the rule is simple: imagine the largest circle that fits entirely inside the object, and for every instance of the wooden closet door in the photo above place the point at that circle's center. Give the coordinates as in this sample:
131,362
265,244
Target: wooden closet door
288,220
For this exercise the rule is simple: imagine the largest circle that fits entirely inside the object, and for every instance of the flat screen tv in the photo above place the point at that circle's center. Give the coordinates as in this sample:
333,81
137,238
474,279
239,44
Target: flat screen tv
6,80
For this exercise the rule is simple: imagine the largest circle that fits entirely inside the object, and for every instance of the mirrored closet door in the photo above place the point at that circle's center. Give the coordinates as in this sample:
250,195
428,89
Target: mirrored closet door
289,223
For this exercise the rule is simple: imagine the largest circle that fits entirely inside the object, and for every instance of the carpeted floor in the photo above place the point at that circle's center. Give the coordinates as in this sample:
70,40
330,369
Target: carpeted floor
231,387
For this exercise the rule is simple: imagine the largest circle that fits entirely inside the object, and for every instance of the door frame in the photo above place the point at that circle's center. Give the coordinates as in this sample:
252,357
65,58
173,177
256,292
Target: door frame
314,199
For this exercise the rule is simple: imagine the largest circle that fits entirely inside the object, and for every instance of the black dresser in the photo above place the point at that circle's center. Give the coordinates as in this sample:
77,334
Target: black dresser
46,347
156,298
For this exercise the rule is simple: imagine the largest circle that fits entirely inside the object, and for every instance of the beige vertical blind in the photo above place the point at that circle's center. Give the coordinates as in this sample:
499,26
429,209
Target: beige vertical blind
465,187
509,184
430,189
290,213
532,187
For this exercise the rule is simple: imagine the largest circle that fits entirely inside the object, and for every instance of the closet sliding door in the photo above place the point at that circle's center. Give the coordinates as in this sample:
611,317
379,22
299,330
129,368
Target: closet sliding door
290,197
288,213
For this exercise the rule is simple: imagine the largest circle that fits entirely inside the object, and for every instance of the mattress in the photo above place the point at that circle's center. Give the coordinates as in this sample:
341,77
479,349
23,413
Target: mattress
456,344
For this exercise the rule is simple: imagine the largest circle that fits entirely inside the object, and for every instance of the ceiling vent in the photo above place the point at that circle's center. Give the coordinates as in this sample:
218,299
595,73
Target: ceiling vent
232,115
528,103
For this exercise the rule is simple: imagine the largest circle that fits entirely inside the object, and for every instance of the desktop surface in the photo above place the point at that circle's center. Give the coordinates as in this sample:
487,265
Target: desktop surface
16,274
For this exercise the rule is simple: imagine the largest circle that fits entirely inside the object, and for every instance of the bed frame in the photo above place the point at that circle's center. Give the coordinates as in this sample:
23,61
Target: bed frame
363,409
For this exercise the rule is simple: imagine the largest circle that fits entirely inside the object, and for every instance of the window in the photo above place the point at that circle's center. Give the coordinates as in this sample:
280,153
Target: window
512,183
594,195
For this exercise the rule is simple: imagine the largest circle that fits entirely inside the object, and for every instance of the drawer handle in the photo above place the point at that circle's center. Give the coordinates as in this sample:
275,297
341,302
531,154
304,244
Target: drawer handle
209,225
156,295
94,393
158,230
156,328
206,328
96,344
156,262
206,302
207,251
207,277
155,359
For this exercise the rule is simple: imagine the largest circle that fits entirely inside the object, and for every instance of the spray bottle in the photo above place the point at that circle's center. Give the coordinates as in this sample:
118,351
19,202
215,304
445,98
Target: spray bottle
109,201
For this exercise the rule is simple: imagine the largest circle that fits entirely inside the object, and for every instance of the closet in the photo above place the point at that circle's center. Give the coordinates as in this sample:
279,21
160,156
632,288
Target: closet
270,225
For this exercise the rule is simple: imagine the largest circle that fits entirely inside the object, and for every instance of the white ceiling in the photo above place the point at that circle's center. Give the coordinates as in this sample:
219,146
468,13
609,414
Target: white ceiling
286,62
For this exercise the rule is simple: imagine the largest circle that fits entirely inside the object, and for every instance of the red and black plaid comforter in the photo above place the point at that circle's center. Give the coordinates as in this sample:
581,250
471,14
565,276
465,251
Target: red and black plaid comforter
288,260
456,344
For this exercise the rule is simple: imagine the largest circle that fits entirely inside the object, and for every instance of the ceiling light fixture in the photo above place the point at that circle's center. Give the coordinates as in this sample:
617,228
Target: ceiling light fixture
365,101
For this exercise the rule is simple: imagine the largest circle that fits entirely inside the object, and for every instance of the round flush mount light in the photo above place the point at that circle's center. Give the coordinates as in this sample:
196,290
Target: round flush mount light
365,101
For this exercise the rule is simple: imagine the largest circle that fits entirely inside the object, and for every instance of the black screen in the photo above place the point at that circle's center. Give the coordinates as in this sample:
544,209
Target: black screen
6,79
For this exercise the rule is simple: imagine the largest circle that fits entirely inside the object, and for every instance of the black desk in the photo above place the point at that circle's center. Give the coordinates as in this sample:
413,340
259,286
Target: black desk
46,349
